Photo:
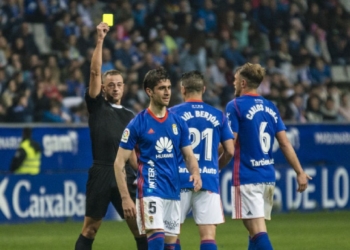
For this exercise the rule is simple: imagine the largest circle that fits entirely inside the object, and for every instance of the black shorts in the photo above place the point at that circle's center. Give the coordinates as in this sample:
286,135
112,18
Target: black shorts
101,189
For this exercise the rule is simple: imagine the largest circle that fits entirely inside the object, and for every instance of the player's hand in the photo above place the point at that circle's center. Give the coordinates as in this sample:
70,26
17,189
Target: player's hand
197,182
129,208
102,30
302,180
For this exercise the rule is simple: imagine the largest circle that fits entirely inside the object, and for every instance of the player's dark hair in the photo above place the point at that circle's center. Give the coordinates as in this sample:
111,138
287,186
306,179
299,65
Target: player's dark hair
155,76
111,72
192,81
253,73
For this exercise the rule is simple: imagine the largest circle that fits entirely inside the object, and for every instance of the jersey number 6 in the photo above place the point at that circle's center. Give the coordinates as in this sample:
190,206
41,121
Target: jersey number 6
264,138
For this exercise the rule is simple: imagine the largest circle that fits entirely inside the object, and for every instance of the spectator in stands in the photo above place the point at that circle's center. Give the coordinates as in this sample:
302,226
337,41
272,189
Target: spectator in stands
258,41
107,63
209,16
28,39
9,94
74,53
295,110
180,35
316,43
313,109
321,72
12,16
75,84
56,114
84,41
147,65
123,56
344,108
40,100
2,113
3,80
232,55
329,111
20,111
35,13
5,51
172,69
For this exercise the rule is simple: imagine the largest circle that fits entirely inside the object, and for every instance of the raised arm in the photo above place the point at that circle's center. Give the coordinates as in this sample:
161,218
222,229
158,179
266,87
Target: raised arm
192,166
119,170
289,153
96,61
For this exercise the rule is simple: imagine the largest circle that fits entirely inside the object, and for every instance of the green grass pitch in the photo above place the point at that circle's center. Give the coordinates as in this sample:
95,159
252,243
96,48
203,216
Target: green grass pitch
292,231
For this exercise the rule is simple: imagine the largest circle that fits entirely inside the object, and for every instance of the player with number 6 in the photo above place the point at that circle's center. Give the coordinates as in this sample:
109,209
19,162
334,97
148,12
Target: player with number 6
255,123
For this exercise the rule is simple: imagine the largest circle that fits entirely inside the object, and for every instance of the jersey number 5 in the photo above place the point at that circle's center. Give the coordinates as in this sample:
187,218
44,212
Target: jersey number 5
197,136
264,138
152,209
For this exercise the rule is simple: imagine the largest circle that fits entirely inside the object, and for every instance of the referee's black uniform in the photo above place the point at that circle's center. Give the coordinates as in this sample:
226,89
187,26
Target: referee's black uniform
106,123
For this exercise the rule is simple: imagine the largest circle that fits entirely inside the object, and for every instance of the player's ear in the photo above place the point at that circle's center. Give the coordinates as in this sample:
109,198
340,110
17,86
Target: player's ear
148,91
244,83
103,88
183,90
204,89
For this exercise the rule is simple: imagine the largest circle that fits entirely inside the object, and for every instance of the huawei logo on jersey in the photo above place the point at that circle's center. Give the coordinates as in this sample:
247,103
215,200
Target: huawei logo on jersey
164,144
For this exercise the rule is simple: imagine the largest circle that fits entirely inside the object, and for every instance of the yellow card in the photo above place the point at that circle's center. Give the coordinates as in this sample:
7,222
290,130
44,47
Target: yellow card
108,19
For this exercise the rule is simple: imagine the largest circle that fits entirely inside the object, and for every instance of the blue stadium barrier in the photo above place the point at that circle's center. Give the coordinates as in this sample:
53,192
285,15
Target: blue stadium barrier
58,192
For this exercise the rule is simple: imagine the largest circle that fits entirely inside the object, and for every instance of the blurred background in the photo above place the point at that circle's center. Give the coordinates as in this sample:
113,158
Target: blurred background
45,52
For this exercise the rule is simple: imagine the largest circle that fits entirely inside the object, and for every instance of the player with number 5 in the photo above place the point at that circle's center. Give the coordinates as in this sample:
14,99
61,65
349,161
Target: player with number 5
255,123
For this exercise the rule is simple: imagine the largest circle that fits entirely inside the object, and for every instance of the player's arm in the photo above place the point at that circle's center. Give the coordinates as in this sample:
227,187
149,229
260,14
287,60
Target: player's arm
292,159
119,170
96,62
133,160
192,166
227,154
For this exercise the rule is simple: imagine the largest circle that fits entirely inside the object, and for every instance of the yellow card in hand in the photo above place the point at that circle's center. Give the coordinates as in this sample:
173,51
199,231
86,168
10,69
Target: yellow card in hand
108,19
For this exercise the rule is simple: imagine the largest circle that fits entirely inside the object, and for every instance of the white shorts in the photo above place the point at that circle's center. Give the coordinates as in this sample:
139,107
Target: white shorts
157,213
252,201
206,207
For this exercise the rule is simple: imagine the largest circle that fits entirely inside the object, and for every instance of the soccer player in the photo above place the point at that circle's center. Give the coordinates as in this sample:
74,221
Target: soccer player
208,128
160,136
107,120
255,123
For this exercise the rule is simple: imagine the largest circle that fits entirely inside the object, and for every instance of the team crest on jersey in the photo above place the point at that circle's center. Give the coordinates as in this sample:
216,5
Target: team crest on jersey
175,129
151,219
125,136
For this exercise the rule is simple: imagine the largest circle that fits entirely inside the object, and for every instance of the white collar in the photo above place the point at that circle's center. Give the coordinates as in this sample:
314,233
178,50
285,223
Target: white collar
116,106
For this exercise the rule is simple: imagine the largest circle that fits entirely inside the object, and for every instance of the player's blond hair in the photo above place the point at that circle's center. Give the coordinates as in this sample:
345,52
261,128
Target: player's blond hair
253,73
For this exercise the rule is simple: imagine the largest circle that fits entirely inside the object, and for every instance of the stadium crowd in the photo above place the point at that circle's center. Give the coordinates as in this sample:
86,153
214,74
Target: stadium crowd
46,48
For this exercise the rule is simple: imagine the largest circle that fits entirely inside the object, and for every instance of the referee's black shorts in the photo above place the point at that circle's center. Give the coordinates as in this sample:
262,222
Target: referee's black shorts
101,189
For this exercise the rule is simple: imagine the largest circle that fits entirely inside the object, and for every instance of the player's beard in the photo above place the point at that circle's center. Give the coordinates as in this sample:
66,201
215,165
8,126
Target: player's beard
160,102
112,99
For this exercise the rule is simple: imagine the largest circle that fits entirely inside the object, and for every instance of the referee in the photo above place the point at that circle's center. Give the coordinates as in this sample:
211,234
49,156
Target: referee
107,121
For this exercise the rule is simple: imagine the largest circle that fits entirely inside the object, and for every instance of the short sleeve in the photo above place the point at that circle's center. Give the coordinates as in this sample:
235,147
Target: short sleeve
232,115
130,135
93,103
226,132
185,134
